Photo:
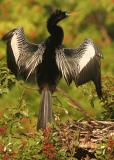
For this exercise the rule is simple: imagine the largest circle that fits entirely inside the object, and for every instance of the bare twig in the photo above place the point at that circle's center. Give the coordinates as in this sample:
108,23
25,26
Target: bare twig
74,103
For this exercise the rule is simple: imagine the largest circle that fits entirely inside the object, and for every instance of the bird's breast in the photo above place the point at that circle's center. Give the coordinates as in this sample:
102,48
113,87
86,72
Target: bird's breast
48,73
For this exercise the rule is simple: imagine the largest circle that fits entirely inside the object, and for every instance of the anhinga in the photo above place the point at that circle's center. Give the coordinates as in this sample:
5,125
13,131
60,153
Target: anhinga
50,61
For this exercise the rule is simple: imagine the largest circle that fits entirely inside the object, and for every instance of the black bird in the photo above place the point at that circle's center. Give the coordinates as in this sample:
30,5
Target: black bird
50,61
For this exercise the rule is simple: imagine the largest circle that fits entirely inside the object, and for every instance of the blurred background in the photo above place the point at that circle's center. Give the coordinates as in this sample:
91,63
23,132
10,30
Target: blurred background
95,20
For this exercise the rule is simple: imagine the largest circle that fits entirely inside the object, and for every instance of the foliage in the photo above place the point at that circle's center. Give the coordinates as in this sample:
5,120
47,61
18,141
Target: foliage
105,150
20,140
6,79
108,102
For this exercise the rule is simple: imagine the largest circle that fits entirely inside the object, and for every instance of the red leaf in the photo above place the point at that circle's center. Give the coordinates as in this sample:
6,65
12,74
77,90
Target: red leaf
6,157
3,130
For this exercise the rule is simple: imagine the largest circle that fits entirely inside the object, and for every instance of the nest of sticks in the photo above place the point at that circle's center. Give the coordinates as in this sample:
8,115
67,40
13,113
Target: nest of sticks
92,132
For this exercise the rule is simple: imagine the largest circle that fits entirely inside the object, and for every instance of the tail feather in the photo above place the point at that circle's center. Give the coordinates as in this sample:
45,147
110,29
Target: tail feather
98,86
99,90
45,112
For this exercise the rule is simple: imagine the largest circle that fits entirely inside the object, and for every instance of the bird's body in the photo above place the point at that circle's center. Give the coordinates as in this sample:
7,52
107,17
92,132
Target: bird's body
50,61
48,73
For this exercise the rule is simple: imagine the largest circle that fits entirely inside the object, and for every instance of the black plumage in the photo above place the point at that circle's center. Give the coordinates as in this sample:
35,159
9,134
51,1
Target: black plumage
50,61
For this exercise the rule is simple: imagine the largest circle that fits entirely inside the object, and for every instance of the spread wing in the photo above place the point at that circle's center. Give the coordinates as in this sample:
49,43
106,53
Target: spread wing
81,64
25,55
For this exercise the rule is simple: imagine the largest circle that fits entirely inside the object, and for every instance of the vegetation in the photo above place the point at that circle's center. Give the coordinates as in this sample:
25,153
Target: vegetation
19,101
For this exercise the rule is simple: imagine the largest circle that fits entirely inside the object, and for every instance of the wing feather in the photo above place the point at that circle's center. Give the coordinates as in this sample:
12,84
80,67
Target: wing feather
27,55
81,64
65,65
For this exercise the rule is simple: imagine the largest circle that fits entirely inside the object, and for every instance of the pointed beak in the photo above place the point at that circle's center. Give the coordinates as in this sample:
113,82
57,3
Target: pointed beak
72,14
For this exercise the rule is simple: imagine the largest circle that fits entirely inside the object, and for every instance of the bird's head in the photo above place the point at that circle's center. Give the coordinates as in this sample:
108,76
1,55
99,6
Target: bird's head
57,16
9,35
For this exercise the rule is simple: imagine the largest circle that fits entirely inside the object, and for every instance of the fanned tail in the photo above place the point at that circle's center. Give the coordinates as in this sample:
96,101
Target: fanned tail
45,111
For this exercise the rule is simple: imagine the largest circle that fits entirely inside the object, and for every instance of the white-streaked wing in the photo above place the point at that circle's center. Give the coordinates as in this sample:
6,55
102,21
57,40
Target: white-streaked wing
81,64
14,46
66,65
27,55
87,55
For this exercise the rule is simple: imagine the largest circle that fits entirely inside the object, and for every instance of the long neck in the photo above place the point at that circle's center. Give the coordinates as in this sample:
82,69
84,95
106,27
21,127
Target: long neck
56,32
